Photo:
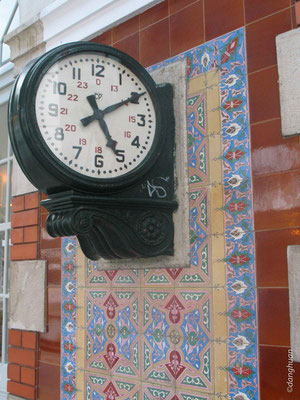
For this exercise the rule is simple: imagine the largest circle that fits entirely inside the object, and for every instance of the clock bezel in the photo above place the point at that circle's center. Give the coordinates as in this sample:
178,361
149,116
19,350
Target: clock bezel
23,101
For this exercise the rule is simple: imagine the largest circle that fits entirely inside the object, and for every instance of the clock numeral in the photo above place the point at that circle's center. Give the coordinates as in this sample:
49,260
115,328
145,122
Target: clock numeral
97,70
78,151
127,134
53,110
98,81
120,156
114,88
82,85
142,121
59,134
76,73
72,97
63,111
136,142
70,128
60,88
82,141
99,161
98,149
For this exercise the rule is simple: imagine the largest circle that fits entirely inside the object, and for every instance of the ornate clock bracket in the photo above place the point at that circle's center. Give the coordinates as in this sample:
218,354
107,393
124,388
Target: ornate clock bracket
113,228
136,221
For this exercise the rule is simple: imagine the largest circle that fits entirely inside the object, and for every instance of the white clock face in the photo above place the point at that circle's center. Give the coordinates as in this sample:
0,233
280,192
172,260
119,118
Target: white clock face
95,115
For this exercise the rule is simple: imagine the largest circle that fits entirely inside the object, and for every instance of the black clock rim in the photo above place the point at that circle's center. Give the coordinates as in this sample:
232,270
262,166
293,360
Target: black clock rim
32,134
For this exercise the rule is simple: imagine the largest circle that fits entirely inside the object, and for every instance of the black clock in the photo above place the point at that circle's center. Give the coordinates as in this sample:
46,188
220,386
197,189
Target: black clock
89,115
89,126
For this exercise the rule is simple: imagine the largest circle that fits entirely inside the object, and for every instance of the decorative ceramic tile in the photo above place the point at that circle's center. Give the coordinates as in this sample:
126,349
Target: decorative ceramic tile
179,334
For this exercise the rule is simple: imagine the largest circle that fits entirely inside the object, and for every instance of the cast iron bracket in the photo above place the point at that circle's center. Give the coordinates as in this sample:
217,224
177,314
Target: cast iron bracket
134,222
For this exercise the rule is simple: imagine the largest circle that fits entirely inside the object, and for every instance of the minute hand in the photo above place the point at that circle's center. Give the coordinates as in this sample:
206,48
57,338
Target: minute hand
134,98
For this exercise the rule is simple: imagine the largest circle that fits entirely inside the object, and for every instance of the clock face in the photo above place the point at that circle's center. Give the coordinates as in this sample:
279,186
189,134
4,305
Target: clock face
95,115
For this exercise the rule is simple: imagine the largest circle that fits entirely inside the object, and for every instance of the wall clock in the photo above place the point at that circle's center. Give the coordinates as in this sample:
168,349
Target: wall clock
92,130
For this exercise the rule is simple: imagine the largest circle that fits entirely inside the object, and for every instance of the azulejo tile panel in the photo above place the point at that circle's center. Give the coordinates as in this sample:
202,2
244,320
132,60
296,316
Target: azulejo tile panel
179,334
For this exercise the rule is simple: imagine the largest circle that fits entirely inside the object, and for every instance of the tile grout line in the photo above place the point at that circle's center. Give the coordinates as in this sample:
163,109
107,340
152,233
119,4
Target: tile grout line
262,69
267,16
204,30
276,173
265,121
244,13
277,229
275,345
153,23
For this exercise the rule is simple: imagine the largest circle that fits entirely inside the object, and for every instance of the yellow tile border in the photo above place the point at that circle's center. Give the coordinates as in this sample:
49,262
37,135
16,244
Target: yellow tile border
209,85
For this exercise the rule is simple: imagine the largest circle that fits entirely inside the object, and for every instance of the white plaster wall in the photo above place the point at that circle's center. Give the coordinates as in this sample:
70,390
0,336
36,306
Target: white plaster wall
30,8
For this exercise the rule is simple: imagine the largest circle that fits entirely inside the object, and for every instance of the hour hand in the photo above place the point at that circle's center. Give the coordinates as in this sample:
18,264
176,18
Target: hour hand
88,120
97,113
92,102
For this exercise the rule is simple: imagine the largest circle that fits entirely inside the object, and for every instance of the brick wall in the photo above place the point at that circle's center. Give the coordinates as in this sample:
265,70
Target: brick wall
23,345
31,241
25,227
22,367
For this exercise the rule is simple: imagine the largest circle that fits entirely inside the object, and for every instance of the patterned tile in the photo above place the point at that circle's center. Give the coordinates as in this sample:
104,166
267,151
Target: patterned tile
179,334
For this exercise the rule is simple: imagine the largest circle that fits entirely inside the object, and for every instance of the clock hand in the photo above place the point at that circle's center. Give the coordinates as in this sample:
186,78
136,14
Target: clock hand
88,120
134,98
110,142
98,114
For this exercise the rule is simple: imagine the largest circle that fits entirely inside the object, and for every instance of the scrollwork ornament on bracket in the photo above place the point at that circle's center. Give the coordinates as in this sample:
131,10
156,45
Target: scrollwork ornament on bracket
152,228
82,221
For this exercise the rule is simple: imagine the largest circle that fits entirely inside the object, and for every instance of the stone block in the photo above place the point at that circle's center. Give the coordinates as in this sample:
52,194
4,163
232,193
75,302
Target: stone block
288,50
27,303
293,253
20,184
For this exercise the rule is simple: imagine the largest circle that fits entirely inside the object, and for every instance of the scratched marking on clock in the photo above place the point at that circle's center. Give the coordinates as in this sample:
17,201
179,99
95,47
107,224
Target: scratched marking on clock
98,96
154,188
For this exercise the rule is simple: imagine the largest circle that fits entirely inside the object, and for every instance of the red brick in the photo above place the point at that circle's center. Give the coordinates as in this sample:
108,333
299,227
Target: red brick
21,356
297,10
24,252
17,235
28,376
43,196
32,200
13,372
25,218
31,234
14,337
18,389
29,340
18,204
